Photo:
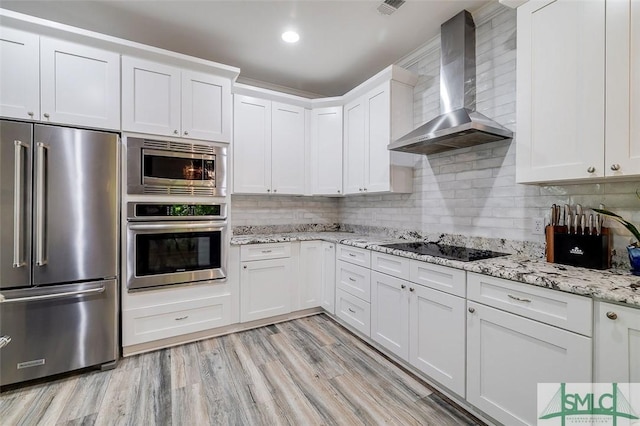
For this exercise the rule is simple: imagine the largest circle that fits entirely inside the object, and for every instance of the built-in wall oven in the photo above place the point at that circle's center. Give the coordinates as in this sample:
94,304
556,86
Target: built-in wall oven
170,244
175,168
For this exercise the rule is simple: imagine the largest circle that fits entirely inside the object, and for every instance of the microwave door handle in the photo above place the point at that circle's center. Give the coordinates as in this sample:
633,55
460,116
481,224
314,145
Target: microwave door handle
41,253
18,204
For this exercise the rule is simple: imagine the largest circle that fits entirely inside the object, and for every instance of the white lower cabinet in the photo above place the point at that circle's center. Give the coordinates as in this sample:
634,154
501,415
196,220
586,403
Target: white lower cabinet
328,285
390,313
617,344
265,288
354,311
437,336
311,274
508,355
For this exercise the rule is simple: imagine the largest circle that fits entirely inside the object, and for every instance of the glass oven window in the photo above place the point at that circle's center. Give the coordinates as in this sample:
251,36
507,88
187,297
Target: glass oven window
176,168
177,252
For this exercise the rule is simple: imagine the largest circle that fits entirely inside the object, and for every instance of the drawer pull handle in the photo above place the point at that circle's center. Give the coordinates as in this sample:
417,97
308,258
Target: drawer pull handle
402,286
182,318
352,279
518,299
352,255
266,251
352,311
472,310
612,315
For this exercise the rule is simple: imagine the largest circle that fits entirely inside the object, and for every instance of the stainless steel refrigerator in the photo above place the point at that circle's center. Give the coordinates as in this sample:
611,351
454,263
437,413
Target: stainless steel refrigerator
58,250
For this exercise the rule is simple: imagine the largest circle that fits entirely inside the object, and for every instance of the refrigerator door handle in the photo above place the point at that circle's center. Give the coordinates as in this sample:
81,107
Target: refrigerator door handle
18,204
55,295
41,255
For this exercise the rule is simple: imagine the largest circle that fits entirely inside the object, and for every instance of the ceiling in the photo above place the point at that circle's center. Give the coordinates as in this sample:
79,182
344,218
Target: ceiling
342,43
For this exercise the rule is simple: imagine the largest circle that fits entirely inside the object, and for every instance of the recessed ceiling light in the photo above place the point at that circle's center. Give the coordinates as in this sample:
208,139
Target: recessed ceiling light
290,36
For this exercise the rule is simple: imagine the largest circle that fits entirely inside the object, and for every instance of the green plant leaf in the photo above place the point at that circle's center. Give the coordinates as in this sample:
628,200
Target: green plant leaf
630,227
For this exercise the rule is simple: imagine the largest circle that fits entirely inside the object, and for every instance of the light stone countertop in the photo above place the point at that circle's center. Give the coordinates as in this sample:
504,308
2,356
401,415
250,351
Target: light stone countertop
611,285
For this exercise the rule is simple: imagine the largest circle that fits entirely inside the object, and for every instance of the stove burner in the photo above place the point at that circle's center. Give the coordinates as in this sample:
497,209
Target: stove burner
463,254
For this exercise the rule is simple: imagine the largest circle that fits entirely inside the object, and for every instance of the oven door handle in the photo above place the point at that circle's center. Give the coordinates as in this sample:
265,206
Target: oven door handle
176,226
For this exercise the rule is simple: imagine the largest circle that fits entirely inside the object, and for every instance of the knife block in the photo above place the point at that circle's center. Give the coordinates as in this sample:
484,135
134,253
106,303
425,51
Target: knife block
587,251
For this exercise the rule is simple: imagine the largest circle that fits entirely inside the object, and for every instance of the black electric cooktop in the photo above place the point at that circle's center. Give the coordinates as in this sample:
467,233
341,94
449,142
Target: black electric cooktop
463,254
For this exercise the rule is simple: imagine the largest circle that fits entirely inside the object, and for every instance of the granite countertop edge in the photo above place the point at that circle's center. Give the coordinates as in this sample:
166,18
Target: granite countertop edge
610,286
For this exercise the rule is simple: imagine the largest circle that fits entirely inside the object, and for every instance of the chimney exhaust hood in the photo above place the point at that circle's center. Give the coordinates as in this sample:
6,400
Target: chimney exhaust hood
459,125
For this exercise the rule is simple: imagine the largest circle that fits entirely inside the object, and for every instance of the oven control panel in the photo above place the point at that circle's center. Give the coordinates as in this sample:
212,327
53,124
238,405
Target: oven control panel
178,211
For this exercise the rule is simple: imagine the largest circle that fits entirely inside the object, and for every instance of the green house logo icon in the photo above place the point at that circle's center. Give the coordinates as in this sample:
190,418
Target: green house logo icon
613,404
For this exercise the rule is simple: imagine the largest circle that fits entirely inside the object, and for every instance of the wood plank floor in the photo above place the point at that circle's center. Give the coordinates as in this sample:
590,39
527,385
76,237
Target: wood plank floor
309,371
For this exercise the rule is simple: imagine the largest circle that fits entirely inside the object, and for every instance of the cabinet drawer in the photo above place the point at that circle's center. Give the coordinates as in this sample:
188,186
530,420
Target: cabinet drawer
174,319
443,278
354,255
354,311
391,265
564,310
264,251
354,280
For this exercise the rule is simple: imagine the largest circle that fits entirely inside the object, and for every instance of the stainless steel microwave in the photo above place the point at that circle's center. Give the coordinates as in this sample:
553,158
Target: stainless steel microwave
176,168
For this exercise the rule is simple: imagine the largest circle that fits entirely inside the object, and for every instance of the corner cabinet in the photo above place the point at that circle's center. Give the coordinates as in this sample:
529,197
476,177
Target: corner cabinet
57,81
578,77
326,151
268,147
371,122
165,100
617,344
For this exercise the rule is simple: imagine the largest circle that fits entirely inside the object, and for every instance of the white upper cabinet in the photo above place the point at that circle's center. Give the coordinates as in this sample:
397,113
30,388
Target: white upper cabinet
150,97
326,151
251,145
268,147
56,81
206,106
80,84
622,153
371,122
578,90
19,74
166,100
287,149
561,89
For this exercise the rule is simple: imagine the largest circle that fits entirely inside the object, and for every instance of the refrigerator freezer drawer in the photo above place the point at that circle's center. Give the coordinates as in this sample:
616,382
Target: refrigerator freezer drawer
57,329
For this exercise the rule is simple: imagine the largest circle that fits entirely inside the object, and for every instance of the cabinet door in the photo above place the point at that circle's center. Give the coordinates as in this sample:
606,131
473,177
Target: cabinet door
19,74
508,355
287,149
206,107
622,155
150,97
378,136
390,313
311,274
617,344
354,147
265,289
80,84
326,145
561,86
437,332
251,145
328,291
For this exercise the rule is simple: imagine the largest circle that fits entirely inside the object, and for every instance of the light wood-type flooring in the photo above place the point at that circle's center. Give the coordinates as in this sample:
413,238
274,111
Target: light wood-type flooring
309,371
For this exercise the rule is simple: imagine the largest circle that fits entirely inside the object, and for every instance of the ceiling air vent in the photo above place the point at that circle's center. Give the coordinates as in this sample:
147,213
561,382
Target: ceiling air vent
389,6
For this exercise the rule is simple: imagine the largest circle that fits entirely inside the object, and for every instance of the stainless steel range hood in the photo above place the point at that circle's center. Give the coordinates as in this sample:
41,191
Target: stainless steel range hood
459,125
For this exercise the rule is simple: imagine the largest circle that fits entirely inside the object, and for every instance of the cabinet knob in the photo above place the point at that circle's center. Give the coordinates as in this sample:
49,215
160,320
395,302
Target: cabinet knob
175,132
365,190
612,315
615,167
472,310
591,169
30,113
275,190
244,267
402,286
411,289
338,191
186,133
268,190
46,115
360,189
